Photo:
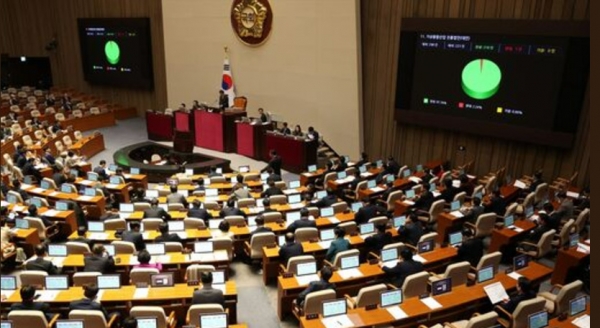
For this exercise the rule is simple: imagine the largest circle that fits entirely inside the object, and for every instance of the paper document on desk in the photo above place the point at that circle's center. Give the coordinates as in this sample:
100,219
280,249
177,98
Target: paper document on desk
54,193
409,202
431,303
396,312
436,193
339,321
520,184
98,236
51,213
306,279
582,322
58,261
572,194
291,191
111,186
18,208
220,255
582,248
415,179
334,220
390,264
296,206
419,258
47,295
85,198
364,175
514,275
140,293
182,234
496,292
211,198
87,182
38,190
377,189
457,214
4,203
163,258
25,186
325,244
350,273
517,229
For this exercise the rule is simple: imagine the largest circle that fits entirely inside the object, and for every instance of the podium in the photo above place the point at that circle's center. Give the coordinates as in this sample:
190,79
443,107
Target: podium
184,121
296,153
217,131
183,141
251,139
159,126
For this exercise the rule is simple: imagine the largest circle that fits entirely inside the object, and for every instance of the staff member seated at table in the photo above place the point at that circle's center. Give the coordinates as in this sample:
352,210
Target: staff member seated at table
199,213
285,130
471,248
542,227
207,294
263,117
369,211
144,258
101,170
496,205
88,302
315,286
39,263
230,209
267,206
165,236
403,268
272,190
475,211
524,292
326,201
449,191
290,249
99,261
339,244
28,303
376,242
303,222
260,226
176,198
81,231
411,231
223,100
134,236
297,131
156,212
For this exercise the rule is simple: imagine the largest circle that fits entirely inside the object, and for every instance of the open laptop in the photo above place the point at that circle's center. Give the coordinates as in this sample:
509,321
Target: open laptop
125,210
320,194
264,177
164,279
203,247
389,257
110,249
8,283
218,277
176,225
342,175
307,268
212,320
406,173
211,192
485,274
6,324
529,211
95,226
151,193
362,169
45,185
389,178
389,298
538,320
244,169
147,322
115,179
426,246
291,217
326,234
189,172
350,262
70,324
520,262
92,176
573,239
441,286
455,206
12,199
410,194
136,170
156,249
57,250
112,167
295,200
356,206
577,305
20,224
509,222
455,239
419,168
109,281
367,229
312,168
66,188
334,307
294,184
327,212
399,221
90,192
36,201
57,282
371,184
61,206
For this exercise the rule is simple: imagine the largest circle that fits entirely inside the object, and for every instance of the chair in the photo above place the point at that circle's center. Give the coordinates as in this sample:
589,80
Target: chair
313,211
27,142
51,183
278,199
428,237
123,247
155,311
511,209
95,111
35,113
457,272
39,135
246,202
272,217
141,275
280,184
292,265
240,102
485,320
359,186
34,278
313,302
415,285
379,220
218,180
254,249
484,226
486,260
436,209
210,205
173,247
562,238
31,318
85,278
67,141
339,207
49,111
559,303
392,198
45,233
93,318
349,227
582,220
236,220
16,195
461,196
193,313
77,113
78,135
306,234
59,117
74,247
42,201
337,260
140,207
193,223
398,246
115,224
251,177
17,173
519,318
541,193
152,224
223,244
366,296
539,250
193,272
563,183
175,207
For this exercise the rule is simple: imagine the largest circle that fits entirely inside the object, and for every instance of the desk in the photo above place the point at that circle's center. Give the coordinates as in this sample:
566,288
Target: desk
89,146
461,301
505,236
53,196
109,235
91,122
308,177
565,260
555,323
217,131
66,217
251,139
122,189
447,223
296,154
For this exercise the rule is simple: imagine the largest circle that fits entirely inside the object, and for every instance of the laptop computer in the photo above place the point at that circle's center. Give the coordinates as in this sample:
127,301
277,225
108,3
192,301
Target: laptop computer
399,221
389,256
203,247
113,167
406,173
356,206
294,199
573,239
441,286
36,201
264,177
110,249
164,279
91,192
218,277
45,185
115,179
109,281
59,250
419,167
156,249
6,324
291,217
20,224
136,170
61,206
485,274
455,206
92,176
350,262
12,199
294,184
8,283
219,170
577,305
389,178
342,175
520,262
66,188
176,225
371,184
390,298
327,212
320,194
379,164
426,246
455,239
312,168
149,322
244,169
538,320
95,226
410,194
303,269
529,211
60,282
212,320
334,307
326,234
69,323
509,221
362,169
367,228
151,193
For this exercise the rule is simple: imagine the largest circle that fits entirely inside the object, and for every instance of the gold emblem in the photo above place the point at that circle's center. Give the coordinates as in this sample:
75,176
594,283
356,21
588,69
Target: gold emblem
250,16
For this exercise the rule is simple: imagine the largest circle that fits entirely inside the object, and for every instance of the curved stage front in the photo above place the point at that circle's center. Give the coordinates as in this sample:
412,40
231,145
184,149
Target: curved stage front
135,155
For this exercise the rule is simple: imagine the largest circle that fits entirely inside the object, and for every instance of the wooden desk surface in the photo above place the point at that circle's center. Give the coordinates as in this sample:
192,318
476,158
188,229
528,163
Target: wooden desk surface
125,260
568,323
504,236
109,235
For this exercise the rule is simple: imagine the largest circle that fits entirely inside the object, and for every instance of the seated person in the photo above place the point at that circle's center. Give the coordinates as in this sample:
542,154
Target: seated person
28,302
375,243
230,209
144,258
297,131
524,292
156,212
411,231
81,231
272,190
176,198
303,222
449,192
199,213
207,294
369,211
471,248
239,191
260,226
41,264
339,244
223,230
404,268
496,205
165,236
542,227
134,236
325,274
88,302
213,172
290,249
328,200
285,130
425,200
475,211
99,261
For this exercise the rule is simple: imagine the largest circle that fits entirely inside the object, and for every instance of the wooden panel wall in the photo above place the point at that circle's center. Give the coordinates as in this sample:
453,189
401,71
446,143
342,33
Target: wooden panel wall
381,21
28,26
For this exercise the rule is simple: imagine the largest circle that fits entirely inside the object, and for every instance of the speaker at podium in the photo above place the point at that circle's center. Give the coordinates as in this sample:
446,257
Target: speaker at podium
183,141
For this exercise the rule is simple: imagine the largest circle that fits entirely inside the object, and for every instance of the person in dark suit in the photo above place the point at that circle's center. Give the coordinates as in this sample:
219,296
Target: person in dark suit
165,236
129,323
289,249
28,303
13,101
339,244
267,207
230,209
56,127
411,231
376,242
156,212
371,210
303,222
81,231
223,100
207,294
537,180
391,167
275,163
134,236
449,191
272,175
39,263
465,185
99,261
48,157
524,292
425,200
285,130
554,217
213,172
32,211
542,227
315,286
403,269
88,302
16,187
59,175
199,213
29,169
471,249
272,190
101,170
364,158
263,117
176,198
475,211
496,205
341,165
312,134
260,226
50,100
328,200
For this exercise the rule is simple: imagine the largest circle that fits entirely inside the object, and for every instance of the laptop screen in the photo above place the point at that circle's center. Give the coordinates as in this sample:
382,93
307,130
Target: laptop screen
162,280
306,268
327,234
151,193
203,247
441,286
294,184
176,225
520,262
147,323
327,212
244,169
211,192
509,221
312,168
66,188
92,176
426,246
410,194
485,274
419,167
294,199
57,282
320,194
538,320
455,205
573,240
213,320
390,254
36,201
334,307
112,167
95,226
219,170
391,297
292,216
61,206
8,282
455,238
389,178
57,250
356,206
281,240
136,170
110,249
529,211
367,228
399,221
115,179
156,249
264,176
90,192
371,184
432,187
350,262
12,199
109,281
218,277
379,163
45,184
362,169
28,179
69,324
214,223
6,324
342,175
406,173
577,305
125,207
21,224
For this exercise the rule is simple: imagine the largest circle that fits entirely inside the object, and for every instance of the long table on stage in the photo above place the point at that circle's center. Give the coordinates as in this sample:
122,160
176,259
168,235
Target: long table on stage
295,153
159,126
217,131
251,139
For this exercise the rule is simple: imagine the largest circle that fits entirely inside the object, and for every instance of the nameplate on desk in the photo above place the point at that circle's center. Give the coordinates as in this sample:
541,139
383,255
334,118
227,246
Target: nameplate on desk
111,186
334,220
51,213
371,307
312,316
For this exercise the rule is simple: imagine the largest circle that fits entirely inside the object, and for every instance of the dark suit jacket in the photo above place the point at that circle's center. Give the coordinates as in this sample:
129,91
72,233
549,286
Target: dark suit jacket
288,251
515,300
425,200
42,265
376,242
209,295
496,205
410,233
136,238
534,184
223,101
275,163
470,250
87,304
448,194
177,198
59,179
403,269
368,212
474,213
101,172
314,286
536,234
326,201
271,191
228,211
285,131
261,230
37,306
302,223
199,213
96,263
168,237
156,212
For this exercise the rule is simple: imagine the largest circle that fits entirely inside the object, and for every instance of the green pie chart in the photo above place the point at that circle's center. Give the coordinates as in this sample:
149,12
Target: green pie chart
112,52
481,79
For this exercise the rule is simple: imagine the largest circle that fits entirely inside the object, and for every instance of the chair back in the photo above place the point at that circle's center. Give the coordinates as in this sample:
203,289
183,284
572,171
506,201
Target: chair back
484,226
337,260
193,223
379,220
392,198
246,202
292,265
240,102
123,247
314,211
541,192
211,205
193,313
85,278
34,278
115,224
141,206
278,200
306,234
460,197
91,318
193,272
436,209
415,285
398,246
51,183
16,195
151,224
339,207
565,295
223,244
565,232
218,179
491,183
525,309
173,247
37,224
529,200
458,272
272,217
258,241
150,311
545,243
581,220
27,318
313,301
485,320
236,220
349,227
511,209
329,176
175,207
490,259
74,247
369,295
137,275
428,237
251,177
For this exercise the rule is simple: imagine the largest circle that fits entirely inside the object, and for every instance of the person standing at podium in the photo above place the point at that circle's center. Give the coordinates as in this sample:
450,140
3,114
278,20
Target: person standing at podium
263,117
275,163
223,100
312,134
